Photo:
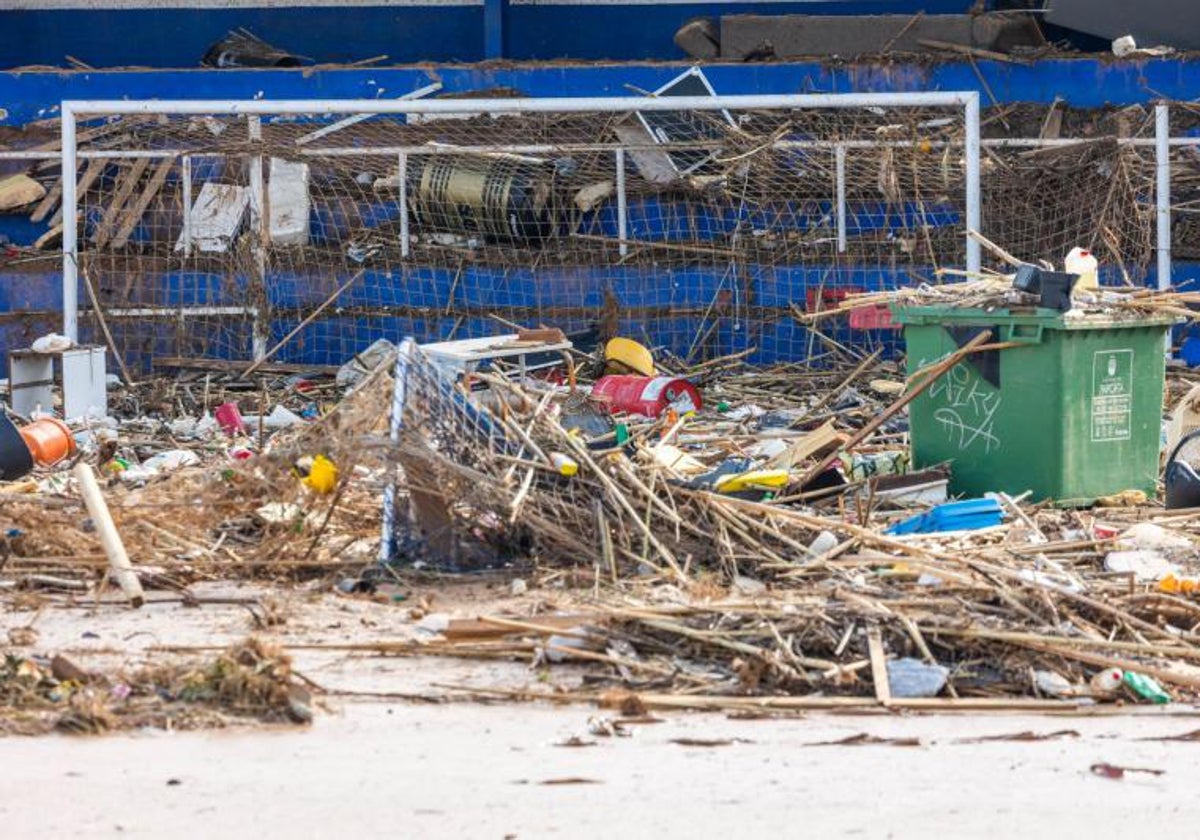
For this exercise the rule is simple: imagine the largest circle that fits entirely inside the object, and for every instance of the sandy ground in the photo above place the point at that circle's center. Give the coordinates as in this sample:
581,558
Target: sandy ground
371,768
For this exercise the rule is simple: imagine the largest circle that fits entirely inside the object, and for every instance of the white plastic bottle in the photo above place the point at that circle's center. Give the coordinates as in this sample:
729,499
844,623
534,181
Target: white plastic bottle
1080,261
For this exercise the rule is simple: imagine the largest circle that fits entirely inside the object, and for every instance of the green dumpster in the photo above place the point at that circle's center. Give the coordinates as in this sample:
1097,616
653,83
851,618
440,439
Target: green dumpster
1072,412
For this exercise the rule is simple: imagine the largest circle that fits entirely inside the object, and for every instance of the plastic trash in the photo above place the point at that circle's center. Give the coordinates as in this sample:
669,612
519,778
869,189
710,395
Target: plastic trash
171,460
1146,566
825,541
565,464
1106,681
52,343
628,355
1081,262
1124,46
576,641
1178,585
769,480
968,515
1151,537
49,440
229,418
319,473
363,363
748,585
1053,684
914,678
1146,687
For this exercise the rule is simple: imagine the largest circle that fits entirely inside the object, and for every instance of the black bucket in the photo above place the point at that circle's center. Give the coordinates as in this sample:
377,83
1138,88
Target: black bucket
15,458
1053,288
1181,479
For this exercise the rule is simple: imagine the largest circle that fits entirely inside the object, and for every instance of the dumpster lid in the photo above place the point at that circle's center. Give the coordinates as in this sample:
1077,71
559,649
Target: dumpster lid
1046,318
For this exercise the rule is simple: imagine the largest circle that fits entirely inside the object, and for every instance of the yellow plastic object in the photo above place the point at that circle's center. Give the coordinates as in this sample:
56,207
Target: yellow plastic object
630,354
565,464
322,475
754,480
1178,585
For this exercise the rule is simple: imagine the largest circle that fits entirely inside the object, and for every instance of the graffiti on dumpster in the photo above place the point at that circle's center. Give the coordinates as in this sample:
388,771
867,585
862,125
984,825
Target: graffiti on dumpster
965,408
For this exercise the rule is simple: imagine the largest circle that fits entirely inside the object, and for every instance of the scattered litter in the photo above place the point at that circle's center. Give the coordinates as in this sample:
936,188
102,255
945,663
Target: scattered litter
864,739
1026,736
709,742
1142,564
1146,687
1112,771
914,678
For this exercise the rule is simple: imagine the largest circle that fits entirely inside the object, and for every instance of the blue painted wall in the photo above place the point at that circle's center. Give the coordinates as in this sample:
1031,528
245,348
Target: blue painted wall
25,97
1082,82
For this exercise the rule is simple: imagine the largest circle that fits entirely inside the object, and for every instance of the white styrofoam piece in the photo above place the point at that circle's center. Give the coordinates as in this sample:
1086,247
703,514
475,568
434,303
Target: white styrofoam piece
288,202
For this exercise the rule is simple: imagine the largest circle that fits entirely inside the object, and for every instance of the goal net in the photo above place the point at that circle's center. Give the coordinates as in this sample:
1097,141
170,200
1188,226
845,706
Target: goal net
699,225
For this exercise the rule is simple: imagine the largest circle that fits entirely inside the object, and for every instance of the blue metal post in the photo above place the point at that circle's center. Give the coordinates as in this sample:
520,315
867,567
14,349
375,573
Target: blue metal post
493,28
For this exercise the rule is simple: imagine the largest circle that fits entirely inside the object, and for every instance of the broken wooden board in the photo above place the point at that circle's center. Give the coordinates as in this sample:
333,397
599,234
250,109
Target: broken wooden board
50,237
807,446
48,203
19,190
126,184
216,217
131,216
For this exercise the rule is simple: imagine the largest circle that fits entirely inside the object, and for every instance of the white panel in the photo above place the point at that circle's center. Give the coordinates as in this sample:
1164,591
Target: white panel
287,202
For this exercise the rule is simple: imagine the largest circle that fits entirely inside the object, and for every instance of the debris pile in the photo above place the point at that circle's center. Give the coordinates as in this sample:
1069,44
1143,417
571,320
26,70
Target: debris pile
251,681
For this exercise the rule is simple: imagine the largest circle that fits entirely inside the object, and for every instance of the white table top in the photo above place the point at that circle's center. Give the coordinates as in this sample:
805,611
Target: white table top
490,347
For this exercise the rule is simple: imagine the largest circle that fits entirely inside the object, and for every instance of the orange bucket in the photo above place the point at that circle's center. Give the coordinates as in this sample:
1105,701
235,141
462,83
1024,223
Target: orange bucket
49,441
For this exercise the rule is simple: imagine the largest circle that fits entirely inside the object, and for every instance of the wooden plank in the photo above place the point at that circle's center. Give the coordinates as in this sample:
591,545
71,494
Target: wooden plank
125,186
235,366
134,213
48,203
879,675
49,237
91,172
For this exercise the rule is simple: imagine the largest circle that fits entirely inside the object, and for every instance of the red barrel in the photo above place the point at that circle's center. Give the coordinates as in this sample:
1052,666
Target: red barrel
648,395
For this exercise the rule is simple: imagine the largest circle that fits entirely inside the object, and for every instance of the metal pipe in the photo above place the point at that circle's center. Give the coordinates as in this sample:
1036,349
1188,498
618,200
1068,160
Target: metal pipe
522,105
974,188
839,156
1162,191
357,118
544,148
187,206
622,204
70,234
259,225
402,183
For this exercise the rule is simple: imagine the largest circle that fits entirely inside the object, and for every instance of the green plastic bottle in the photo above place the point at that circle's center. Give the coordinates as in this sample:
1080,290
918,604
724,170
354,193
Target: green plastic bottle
1146,687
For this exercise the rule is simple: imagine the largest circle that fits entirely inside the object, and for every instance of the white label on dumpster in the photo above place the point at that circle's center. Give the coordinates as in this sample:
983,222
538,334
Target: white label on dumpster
1112,395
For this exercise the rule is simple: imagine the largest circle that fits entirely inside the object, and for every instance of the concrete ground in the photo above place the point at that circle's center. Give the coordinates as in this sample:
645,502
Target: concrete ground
375,768
384,770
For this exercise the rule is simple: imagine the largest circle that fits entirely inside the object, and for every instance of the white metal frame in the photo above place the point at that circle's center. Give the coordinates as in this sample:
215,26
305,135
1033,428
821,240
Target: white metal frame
72,111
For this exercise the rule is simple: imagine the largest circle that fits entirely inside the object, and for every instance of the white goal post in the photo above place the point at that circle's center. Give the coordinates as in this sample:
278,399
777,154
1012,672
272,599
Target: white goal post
75,113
